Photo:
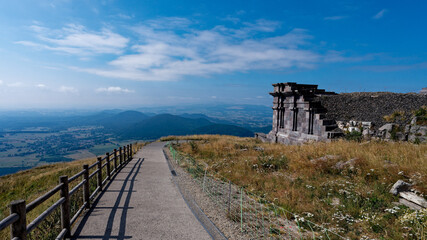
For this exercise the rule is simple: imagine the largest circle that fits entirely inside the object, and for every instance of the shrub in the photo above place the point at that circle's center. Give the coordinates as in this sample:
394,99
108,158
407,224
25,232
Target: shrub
421,115
354,136
194,147
272,163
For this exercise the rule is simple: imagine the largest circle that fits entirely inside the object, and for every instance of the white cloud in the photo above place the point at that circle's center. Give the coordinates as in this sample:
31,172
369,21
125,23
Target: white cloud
1,82
165,55
67,89
42,86
334,18
114,90
76,39
169,23
380,14
124,16
16,84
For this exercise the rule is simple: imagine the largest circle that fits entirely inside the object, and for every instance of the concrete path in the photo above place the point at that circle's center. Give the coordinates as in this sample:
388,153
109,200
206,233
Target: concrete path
142,202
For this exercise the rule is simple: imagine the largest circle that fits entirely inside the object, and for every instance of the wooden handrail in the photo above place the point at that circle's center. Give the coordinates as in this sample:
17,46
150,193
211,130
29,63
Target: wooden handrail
93,165
76,176
72,191
43,198
42,216
12,218
17,219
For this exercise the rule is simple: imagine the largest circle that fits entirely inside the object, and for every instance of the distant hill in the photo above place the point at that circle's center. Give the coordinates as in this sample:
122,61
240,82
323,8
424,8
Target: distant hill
163,125
211,119
265,129
167,124
122,120
235,114
224,129
194,115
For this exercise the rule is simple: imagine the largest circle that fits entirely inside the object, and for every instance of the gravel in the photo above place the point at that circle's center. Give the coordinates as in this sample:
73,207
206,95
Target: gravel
197,199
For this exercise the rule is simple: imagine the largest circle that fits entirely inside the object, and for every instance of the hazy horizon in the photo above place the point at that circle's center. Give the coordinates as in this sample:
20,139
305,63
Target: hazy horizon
60,54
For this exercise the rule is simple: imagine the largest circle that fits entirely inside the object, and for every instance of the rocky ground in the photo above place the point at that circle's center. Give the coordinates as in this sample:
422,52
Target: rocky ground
372,106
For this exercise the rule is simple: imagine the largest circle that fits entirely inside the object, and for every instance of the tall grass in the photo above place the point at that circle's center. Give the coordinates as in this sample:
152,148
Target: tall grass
31,184
350,197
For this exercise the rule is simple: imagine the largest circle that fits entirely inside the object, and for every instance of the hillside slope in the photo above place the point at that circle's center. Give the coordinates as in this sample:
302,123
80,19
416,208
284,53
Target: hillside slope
224,129
342,185
163,125
122,120
167,124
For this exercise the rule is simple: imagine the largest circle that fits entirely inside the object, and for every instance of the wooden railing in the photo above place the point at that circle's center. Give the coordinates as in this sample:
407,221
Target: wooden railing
17,219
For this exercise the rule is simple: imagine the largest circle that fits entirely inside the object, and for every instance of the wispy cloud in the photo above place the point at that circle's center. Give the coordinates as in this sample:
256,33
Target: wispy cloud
172,23
67,89
1,82
165,54
124,16
334,18
76,39
114,90
380,14
391,68
41,86
16,84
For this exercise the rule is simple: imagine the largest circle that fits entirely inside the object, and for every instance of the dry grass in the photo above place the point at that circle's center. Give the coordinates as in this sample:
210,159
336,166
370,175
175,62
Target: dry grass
31,184
352,200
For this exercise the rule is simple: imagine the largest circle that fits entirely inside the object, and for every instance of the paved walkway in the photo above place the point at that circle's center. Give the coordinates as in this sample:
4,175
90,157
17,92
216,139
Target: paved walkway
142,202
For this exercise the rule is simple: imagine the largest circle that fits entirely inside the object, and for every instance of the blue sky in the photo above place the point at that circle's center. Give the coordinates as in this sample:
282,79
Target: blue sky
105,54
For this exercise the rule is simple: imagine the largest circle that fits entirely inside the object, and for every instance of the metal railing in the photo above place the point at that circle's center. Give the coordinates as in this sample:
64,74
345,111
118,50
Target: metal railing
17,220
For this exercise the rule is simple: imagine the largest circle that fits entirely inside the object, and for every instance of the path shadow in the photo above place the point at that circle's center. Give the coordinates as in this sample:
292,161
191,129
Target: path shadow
130,178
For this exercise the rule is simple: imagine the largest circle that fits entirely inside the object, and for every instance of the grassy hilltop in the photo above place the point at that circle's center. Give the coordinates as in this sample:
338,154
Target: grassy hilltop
31,184
319,182
349,197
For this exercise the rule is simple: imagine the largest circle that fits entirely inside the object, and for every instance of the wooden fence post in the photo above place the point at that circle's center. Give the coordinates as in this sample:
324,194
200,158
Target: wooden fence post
128,152
100,174
86,190
121,156
124,154
115,159
65,206
19,228
108,165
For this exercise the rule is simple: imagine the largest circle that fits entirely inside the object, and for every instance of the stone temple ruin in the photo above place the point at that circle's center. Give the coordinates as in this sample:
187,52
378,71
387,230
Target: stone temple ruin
297,117
302,113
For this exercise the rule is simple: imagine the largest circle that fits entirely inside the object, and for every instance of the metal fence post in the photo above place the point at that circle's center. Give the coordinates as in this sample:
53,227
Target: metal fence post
229,198
65,206
241,209
19,228
108,165
100,174
121,156
204,179
86,190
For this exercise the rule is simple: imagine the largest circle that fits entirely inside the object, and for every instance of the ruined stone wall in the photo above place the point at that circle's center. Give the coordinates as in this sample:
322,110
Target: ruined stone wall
296,118
372,106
